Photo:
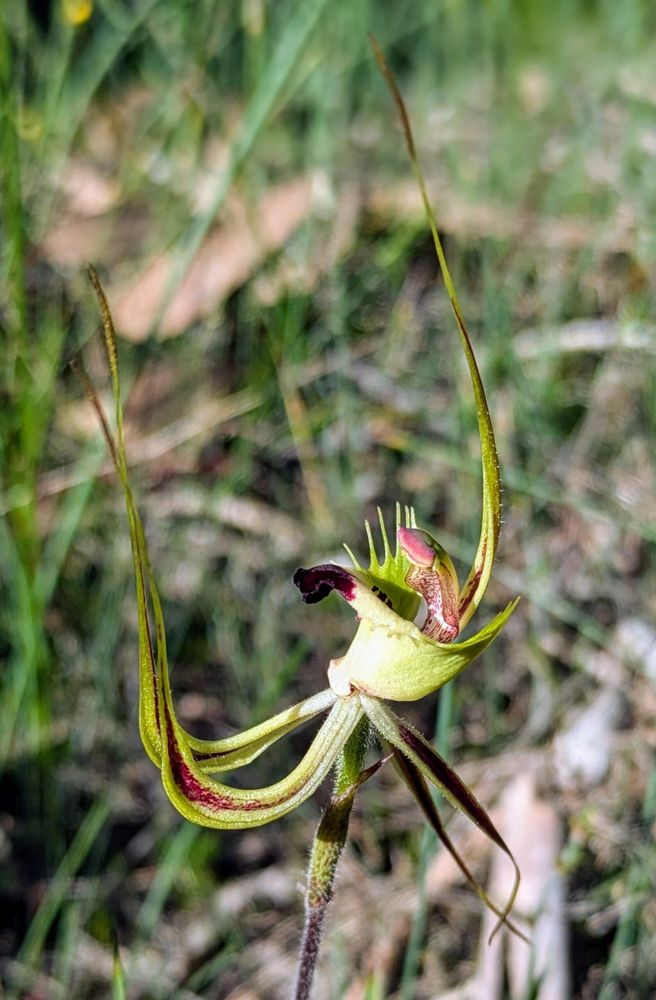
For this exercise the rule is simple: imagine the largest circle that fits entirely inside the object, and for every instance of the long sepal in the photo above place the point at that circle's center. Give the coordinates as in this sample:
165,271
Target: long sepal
419,788
214,756
218,755
476,582
435,769
149,660
210,803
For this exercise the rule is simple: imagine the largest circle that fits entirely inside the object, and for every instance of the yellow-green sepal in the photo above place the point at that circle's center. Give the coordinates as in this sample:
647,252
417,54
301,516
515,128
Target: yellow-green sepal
210,803
226,754
479,574
152,660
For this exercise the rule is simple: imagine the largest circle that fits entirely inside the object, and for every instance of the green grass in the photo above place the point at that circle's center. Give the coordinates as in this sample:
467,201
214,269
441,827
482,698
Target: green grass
536,129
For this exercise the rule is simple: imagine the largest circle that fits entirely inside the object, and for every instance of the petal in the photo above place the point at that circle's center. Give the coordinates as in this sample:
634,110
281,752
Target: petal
417,785
210,803
390,658
435,769
242,748
478,577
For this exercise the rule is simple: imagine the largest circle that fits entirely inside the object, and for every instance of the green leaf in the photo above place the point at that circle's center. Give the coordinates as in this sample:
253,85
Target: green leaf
118,977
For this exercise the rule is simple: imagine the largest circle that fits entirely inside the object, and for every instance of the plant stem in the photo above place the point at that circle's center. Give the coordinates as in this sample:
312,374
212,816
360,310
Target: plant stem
326,850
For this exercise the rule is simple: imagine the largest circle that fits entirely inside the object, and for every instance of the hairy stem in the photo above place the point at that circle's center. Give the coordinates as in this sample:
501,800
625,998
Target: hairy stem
326,850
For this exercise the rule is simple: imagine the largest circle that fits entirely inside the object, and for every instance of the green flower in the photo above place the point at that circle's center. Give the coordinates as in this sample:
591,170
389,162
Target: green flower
390,659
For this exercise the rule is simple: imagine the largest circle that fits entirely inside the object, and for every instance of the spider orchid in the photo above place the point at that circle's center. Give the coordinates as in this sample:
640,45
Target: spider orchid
390,659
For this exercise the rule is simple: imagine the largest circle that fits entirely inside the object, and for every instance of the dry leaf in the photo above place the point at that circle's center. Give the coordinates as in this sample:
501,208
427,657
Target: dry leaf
227,258
532,827
473,219
77,239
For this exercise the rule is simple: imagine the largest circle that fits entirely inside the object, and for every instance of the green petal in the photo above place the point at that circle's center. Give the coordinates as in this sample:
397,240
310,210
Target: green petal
478,577
210,803
242,748
435,769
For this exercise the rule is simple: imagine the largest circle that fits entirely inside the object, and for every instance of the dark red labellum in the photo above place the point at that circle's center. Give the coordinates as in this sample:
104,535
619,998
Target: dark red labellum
318,582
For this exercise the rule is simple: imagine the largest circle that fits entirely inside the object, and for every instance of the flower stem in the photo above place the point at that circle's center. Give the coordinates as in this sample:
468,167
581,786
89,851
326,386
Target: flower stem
326,850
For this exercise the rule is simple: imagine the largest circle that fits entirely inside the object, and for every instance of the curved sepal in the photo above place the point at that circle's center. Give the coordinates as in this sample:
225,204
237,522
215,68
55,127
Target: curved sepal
151,658
478,577
417,785
214,756
425,758
213,804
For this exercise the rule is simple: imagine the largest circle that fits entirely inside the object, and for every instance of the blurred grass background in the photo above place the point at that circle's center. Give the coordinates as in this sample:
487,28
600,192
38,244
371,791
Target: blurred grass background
236,173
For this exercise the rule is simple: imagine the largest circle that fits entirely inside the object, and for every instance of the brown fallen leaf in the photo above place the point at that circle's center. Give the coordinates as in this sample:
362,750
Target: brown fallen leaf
88,191
325,250
226,259
74,239
532,827
476,219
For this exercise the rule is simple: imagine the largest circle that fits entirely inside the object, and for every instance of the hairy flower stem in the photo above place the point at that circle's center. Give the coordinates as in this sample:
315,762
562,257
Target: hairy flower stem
326,850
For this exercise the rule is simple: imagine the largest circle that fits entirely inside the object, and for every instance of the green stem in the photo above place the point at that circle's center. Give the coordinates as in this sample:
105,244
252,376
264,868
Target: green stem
326,850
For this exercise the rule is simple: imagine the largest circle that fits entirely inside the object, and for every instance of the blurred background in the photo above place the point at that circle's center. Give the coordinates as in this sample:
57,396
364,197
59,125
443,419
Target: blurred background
236,173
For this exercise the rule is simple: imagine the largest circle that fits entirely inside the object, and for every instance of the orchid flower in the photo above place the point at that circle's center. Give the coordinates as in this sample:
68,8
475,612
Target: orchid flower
392,658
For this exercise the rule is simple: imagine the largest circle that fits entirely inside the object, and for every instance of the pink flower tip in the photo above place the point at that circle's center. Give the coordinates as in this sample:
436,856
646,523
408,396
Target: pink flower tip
417,546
